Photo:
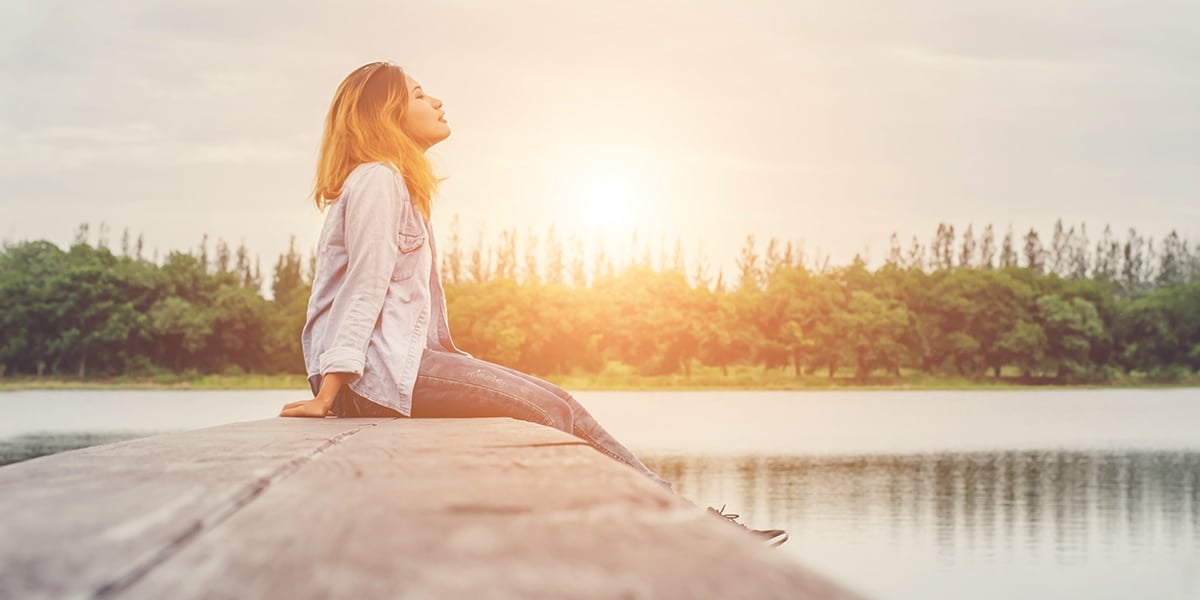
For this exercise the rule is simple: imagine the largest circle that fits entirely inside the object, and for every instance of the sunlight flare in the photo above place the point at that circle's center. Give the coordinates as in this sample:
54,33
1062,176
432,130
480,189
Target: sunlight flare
606,201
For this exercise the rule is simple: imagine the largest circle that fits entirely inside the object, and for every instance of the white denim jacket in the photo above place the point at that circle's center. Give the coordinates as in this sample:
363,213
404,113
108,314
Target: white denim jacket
373,288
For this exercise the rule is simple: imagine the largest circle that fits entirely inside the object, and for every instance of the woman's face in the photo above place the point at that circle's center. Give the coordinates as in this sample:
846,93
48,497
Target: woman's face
424,119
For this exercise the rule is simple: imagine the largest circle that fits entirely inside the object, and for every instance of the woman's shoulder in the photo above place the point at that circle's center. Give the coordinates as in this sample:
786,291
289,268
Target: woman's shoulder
372,171
375,184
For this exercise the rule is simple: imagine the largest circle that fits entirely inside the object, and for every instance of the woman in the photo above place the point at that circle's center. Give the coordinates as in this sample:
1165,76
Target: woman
376,340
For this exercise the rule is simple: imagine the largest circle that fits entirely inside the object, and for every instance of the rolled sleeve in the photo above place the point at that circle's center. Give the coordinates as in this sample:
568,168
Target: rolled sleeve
374,205
342,360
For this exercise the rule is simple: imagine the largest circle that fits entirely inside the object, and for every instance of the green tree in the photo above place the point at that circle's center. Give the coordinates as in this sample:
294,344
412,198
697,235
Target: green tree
183,325
1071,326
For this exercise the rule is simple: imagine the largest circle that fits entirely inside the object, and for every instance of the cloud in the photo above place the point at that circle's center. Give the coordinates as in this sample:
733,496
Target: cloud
914,110
123,147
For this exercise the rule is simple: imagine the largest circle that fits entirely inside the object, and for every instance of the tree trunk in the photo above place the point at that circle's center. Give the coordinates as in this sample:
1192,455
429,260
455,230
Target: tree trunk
82,366
796,362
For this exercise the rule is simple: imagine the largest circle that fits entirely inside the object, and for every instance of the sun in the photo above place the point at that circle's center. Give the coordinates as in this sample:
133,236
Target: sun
606,201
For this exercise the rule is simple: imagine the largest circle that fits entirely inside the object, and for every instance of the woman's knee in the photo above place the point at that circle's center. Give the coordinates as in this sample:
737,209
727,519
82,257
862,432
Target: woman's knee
476,388
559,412
542,383
551,398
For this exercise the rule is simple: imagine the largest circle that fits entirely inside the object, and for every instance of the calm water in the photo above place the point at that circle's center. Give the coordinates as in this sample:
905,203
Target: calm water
1041,494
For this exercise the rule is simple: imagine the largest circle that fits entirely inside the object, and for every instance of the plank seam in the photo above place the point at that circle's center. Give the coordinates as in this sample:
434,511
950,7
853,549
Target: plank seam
218,515
539,445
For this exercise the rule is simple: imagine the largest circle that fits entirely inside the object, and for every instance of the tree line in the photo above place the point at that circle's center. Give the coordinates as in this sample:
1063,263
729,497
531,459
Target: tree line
974,304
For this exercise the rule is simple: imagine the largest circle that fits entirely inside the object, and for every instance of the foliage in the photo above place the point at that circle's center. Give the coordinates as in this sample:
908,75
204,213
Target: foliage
972,309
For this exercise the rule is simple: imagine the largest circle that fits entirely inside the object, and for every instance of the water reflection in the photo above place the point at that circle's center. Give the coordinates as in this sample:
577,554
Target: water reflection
1058,506
41,443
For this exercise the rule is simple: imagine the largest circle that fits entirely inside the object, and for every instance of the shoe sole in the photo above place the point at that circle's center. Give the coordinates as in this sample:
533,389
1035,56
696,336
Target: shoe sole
777,540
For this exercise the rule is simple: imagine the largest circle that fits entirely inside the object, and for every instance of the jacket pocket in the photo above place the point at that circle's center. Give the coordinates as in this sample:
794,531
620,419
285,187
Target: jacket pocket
406,262
410,241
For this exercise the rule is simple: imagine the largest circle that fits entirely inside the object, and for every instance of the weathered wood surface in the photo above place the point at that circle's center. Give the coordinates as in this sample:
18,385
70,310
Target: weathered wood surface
368,508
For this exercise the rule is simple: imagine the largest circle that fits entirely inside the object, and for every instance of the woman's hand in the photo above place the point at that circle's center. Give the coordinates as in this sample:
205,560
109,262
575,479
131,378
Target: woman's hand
307,408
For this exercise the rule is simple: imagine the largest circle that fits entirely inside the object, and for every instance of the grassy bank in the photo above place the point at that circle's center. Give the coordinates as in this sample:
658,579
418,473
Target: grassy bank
158,382
620,377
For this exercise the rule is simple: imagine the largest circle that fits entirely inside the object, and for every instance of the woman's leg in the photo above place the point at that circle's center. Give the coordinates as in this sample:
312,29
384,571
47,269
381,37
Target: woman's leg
586,427
453,385
452,388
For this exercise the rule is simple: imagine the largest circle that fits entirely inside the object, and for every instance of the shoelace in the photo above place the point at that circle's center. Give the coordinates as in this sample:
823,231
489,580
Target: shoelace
731,516
778,535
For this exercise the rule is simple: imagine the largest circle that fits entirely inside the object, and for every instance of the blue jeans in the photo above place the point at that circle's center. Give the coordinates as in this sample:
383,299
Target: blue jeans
456,386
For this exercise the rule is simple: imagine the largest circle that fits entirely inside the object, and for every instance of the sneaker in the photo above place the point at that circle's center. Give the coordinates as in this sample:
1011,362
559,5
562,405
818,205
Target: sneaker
772,537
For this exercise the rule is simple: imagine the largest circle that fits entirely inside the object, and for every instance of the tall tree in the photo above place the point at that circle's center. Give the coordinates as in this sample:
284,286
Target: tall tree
530,273
1173,260
579,278
506,255
895,252
701,271
1008,252
454,257
1079,253
601,263
749,273
966,257
555,264
1035,255
81,235
943,248
916,255
480,265
223,257
242,265
102,236
1059,258
1107,263
987,248
288,279
677,262
773,261
1134,257
202,254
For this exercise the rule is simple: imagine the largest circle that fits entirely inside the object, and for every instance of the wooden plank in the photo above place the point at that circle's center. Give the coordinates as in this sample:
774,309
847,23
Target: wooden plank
85,521
310,508
478,508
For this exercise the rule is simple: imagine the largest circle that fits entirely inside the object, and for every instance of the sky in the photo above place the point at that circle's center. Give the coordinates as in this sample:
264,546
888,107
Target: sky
829,124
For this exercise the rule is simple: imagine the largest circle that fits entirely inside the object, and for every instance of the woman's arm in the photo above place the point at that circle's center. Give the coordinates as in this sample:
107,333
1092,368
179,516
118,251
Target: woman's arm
373,209
320,406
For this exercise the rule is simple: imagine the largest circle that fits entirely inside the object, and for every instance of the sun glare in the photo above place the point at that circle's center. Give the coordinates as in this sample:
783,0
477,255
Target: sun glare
606,202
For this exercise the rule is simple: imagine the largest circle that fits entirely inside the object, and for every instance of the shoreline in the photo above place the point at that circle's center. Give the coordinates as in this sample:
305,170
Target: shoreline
616,382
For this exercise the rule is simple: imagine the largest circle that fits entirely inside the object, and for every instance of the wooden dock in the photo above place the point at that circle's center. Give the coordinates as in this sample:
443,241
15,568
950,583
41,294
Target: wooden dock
368,508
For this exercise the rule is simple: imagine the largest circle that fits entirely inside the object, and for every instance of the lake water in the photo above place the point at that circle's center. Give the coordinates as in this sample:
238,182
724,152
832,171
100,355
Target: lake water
981,494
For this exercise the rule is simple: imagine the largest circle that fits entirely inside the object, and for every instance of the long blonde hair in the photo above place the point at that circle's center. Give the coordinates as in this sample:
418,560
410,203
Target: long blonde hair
363,125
